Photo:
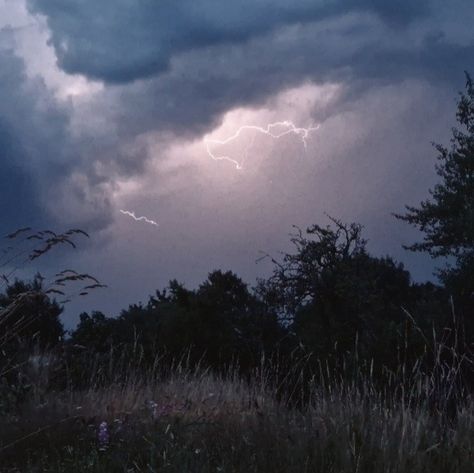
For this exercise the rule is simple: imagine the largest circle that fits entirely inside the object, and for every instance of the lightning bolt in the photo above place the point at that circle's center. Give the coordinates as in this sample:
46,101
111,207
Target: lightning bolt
290,128
138,219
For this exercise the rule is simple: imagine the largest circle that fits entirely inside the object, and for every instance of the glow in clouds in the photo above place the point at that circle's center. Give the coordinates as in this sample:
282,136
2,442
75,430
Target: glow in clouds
138,219
287,127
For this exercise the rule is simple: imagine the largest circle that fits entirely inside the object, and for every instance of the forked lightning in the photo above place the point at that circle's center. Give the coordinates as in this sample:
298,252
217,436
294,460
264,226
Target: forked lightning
289,128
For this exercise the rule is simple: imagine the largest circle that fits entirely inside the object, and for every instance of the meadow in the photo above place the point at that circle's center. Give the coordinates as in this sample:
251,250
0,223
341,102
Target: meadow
181,418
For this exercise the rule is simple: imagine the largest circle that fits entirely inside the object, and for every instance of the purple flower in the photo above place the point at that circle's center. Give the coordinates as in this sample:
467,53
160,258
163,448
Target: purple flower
103,436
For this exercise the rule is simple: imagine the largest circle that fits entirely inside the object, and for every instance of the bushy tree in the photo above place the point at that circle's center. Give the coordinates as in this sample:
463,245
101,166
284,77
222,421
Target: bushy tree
35,316
333,294
447,218
220,322
95,332
27,310
227,307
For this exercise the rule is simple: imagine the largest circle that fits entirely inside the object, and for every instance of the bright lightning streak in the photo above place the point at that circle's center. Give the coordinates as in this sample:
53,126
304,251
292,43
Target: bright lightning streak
289,126
138,219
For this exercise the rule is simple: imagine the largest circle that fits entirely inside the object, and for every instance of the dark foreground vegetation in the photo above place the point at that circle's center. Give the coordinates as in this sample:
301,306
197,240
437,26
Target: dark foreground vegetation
337,362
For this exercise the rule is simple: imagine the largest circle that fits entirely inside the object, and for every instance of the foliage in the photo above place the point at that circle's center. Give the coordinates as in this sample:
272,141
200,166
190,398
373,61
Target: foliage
219,322
447,219
26,309
36,317
337,298
29,315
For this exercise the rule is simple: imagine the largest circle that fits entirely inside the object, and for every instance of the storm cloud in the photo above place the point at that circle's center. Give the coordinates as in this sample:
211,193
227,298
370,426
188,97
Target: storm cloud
105,104
122,40
40,157
27,145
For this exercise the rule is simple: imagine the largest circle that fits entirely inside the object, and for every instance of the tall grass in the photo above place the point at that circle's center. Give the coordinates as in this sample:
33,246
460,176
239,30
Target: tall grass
182,419
20,248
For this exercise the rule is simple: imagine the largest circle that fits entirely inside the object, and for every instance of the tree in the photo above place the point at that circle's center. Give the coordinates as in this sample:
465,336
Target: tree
447,218
26,309
314,273
94,332
237,324
332,293
36,319
220,322
29,320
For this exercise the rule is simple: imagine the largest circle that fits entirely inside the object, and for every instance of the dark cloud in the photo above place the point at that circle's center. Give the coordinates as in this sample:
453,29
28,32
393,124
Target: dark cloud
38,155
122,40
18,193
19,190
199,58
360,52
395,13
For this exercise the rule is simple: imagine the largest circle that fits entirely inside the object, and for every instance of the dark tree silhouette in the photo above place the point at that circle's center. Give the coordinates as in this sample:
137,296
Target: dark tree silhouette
220,322
447,218
333,294
95,332
35,318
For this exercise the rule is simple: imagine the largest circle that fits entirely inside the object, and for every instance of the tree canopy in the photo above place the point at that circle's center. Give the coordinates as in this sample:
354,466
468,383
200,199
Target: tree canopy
447,218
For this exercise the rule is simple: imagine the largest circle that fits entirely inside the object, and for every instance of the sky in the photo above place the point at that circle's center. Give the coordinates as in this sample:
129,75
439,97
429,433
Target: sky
161,109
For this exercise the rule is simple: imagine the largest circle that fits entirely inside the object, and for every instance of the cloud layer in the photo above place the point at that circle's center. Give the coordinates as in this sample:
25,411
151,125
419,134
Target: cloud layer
122,40
105,105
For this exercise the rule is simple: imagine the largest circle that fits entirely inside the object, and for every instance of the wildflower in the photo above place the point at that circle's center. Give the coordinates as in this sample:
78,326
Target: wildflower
153,406
103,436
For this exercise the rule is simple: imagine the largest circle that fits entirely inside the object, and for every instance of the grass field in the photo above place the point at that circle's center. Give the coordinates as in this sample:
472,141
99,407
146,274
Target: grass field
194,421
